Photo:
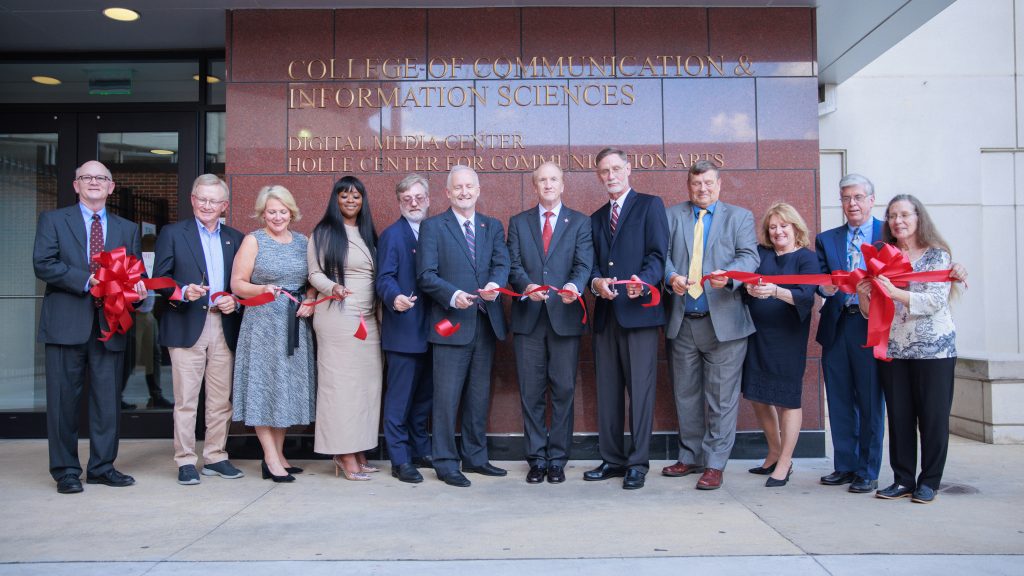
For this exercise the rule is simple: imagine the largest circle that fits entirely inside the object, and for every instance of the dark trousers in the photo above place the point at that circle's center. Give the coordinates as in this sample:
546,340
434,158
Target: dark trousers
547,362
66,367
407,404
462,377
626,360
856,408
918,397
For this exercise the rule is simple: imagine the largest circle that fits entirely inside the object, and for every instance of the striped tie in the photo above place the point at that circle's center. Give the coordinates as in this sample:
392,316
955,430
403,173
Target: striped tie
470,238
615,216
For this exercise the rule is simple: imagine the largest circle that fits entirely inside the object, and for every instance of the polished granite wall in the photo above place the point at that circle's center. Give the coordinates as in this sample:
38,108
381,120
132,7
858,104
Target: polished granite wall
761,121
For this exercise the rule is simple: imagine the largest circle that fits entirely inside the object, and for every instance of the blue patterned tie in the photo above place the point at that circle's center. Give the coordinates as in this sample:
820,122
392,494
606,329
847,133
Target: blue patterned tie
853,260
470,238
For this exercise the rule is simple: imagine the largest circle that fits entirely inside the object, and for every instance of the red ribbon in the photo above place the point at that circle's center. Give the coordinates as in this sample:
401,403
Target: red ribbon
887,261
544,288
361,330
445,328
268,297
655,293
118,274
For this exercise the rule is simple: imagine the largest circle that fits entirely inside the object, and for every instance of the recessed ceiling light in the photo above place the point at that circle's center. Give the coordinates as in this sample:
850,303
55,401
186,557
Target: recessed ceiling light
47,80
121,14
209,79
161,152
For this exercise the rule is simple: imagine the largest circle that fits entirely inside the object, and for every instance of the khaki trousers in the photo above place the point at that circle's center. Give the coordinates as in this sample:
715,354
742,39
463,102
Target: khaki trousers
210,357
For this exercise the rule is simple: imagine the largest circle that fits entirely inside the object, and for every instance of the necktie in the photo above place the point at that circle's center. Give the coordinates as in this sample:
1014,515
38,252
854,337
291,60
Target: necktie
615,216
470,238
546,234
853,250
697,258
95,242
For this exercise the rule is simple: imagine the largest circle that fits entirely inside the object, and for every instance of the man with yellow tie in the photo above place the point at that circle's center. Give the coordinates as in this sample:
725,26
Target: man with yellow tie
708,323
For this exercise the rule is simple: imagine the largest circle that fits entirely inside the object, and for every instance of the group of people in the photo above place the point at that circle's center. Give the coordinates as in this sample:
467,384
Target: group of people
424,294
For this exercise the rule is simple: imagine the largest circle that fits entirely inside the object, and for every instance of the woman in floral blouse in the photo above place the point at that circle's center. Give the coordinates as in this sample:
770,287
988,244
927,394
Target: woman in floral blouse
918,382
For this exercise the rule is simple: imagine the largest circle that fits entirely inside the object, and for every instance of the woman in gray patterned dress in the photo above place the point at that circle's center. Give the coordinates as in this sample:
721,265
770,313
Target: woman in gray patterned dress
918,382
274,370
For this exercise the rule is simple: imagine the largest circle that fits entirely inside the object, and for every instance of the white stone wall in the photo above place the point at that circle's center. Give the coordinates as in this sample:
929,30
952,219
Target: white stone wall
939,116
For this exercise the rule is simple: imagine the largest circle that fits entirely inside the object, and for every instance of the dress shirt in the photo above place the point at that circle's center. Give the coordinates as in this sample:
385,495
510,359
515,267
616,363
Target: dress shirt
87,218
214,254
415,228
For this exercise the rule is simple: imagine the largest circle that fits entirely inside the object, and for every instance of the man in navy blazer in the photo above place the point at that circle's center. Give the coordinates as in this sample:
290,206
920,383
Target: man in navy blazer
548,245
201,333
407,399
461,263
856,408
630,235
70,325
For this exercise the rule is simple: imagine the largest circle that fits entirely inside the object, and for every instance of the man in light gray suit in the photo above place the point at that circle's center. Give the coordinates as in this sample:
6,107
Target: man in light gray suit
708,324
548,245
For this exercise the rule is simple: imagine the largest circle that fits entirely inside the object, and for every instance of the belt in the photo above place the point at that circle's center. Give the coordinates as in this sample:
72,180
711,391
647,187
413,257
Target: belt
852,309
695,315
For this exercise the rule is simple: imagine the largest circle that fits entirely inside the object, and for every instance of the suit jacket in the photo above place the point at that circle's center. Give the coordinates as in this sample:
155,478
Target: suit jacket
179,255
730,245
830,246
638,247
396,274
60,257
569,259
444,265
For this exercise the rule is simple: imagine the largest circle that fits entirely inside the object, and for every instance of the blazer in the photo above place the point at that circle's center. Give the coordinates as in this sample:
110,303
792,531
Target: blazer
830,246
179,255
396,274
638,247
444,265
60,257
569,259
730,245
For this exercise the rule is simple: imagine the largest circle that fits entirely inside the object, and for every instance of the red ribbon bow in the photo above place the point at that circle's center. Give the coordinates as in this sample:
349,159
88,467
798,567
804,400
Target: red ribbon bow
118,274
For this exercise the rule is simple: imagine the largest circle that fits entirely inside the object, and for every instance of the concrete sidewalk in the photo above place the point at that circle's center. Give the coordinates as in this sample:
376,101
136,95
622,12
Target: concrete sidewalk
503,525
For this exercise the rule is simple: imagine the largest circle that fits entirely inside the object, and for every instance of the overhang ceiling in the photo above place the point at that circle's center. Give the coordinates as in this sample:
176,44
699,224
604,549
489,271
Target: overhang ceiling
850,33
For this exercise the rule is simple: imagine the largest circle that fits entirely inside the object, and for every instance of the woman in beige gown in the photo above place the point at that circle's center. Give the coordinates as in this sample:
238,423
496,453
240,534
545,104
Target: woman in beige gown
342,258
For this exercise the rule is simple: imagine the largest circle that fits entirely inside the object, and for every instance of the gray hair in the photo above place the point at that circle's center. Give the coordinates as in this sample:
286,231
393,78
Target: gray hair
555,165
461,168
410,181
857,180
211,180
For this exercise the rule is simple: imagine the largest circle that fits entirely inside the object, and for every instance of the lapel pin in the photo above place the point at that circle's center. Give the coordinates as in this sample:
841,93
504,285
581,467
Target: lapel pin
566,220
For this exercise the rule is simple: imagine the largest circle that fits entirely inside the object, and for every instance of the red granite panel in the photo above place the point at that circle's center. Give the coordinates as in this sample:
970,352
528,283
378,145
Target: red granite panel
654,32
705,118
757,190
256,127
481,43
310,194
264,42
435,125
501,195
554,32
787,122
382,44
534,119
778,41
625,114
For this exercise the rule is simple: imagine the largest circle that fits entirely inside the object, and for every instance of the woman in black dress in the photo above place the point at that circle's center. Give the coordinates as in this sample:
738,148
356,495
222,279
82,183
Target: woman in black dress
773,371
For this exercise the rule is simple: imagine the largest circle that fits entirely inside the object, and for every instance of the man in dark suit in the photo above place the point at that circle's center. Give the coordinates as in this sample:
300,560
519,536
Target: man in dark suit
708,326
461,262
630,236
407,399
201,333
856,408
70,325
549,245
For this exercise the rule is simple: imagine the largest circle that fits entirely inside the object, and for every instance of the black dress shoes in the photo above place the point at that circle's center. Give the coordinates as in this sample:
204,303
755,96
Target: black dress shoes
894,491
69,484
923,495
604,472
776,483
111,478
838,478
863,485
407,473
486,469
556,474
455,478
763,470
536,474
423,462
634,479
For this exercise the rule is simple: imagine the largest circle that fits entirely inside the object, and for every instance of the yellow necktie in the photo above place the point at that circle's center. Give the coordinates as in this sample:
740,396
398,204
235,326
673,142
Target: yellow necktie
697,259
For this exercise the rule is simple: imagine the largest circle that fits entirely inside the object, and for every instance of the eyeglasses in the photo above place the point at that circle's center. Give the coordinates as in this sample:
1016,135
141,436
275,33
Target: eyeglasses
408,200
859,199
905,216
207,201
616,170
88,178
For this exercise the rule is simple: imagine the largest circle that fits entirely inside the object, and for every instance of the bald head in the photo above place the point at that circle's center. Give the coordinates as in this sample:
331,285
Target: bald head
548,184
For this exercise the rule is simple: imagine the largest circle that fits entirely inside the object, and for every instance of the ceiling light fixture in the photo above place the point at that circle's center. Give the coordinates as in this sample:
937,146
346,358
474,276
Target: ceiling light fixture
161,152
47,80
121,14
209,79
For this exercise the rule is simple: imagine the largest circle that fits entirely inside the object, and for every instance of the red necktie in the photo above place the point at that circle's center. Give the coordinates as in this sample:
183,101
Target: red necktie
546,234
95,242
615,216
